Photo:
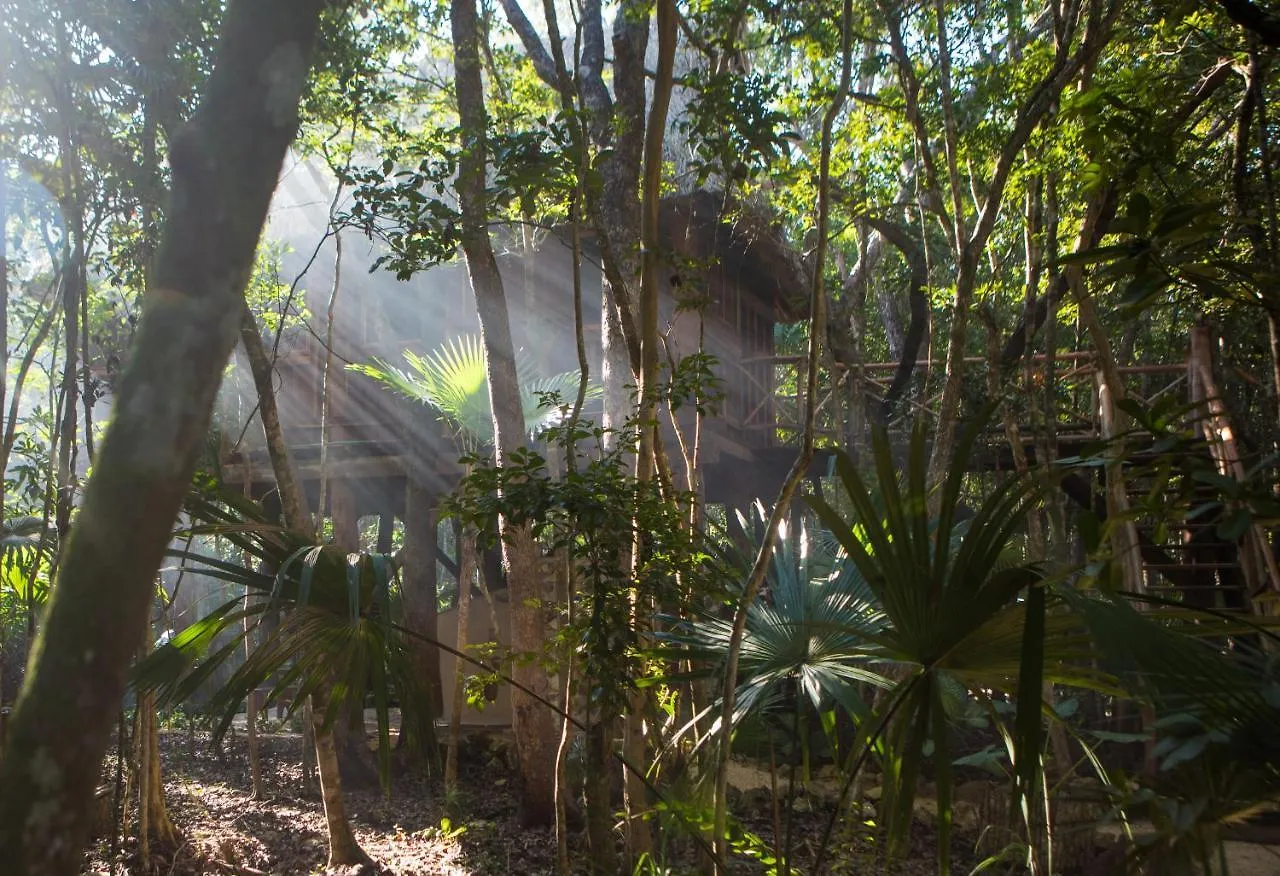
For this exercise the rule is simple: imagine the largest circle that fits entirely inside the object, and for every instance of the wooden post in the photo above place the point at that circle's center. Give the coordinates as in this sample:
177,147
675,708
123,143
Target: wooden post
342,504
420,584
386,532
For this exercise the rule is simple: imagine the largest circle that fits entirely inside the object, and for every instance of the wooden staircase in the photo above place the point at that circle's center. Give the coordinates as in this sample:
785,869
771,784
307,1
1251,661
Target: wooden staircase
1185,557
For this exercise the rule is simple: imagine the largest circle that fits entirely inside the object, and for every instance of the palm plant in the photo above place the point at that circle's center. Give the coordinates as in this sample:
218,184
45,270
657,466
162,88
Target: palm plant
26,544
804,651
957,615
453,380
1218,757
337,638
807,635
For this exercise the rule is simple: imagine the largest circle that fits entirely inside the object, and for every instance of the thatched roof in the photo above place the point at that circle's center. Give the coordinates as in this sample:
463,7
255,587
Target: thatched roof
740,242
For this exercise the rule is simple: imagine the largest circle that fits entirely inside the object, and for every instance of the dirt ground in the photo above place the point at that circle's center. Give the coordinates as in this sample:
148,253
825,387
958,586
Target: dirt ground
225,831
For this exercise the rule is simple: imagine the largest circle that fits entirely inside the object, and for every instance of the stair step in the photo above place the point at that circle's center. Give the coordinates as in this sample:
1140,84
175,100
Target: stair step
1192,566
1199,545
1224,588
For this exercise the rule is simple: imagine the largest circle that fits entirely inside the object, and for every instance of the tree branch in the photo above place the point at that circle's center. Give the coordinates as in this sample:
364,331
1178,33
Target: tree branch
543,65
225,165
1261,22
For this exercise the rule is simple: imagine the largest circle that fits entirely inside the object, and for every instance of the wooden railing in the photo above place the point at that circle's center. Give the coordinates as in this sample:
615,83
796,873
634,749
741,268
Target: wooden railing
771,400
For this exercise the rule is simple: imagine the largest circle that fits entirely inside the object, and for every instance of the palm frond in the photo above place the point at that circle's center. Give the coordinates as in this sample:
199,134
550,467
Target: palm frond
453,380
336,636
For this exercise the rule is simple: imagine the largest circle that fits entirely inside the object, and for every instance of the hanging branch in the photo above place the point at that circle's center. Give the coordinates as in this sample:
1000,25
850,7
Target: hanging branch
817,330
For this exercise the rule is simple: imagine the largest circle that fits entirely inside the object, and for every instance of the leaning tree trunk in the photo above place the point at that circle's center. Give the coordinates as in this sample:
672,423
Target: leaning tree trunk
534,726
225,165
343,848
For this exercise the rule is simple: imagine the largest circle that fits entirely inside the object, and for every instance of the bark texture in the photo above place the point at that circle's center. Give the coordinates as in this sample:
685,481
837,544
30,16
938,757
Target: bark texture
225,164
534,726
343,848
292,502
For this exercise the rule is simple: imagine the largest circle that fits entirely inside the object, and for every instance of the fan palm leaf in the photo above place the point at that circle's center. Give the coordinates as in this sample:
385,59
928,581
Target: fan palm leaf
21,540
954,610
808,633
453,380
336,639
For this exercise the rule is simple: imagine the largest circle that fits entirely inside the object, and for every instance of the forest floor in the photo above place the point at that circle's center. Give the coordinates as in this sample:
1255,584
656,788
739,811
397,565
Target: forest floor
224,830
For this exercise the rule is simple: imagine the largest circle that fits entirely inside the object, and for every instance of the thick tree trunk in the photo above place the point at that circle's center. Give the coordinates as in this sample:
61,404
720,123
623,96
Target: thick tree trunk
225,165
534,726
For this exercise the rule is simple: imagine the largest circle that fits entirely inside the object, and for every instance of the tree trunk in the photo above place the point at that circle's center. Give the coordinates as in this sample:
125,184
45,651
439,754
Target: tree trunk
328,367
4,312
344,849
153,814
617,126
534,726
639,837
297,519
760,567
308,745
251,720
73,276
1257,563
225,165
968,244
292,499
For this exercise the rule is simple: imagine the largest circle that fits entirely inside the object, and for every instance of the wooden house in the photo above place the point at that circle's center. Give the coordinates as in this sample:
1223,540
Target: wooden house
729,281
